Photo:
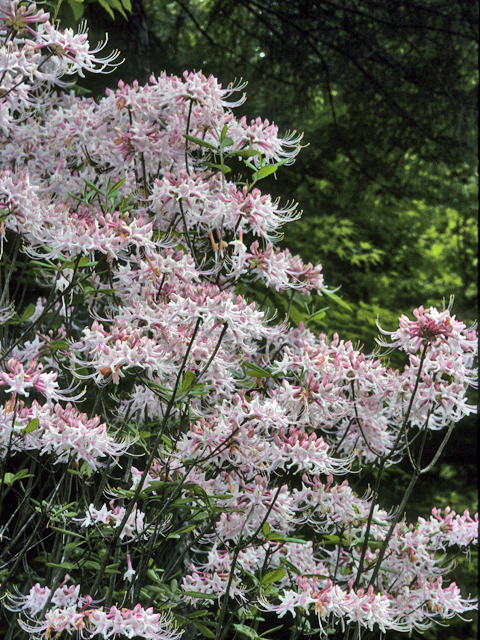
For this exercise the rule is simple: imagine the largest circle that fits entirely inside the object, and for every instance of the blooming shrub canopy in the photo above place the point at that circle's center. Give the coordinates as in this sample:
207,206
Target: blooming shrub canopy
173,457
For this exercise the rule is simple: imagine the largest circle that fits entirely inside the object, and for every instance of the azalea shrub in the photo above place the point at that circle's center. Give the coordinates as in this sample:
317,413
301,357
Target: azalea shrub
177,459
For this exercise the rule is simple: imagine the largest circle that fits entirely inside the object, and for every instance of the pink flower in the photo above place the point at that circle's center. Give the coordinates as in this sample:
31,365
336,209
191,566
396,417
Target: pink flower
431,326
130,572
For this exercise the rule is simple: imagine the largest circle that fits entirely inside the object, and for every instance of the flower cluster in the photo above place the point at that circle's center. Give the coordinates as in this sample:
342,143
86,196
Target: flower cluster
74,613
146,340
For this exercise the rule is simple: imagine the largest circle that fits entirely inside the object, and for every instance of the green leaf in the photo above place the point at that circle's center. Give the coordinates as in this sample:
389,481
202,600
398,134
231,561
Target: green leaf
244,153
265,171
203,629
290,566
112,569
224,132
296,540
198,594
255,371
273,576
275,537
10,478
85,262
226,142
247,631
116,186
200,142
87,182
337,299
74,472
117,5
317,315
331,539
55,345
68,533
297,316
188,379
265,529
72,545
32,425
262,635
186,529
163,392
28,313
251,166
220,167
77,9
198,390
69,566
107,8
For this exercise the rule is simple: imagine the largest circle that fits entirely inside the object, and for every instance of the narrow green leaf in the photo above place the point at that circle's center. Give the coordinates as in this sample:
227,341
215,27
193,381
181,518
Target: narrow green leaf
245,153
255,371
247,631
186,529
107,8
198,594
68,533
265,529
55,345
291,566
87,182
86,262
200,142
296,540
167,441
116,186
337,299
69,566
10,478
203,629
262,635
198,390
220,167
72,545
224,132
111,570
251,166
318,314
331,539
273,576
117,5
